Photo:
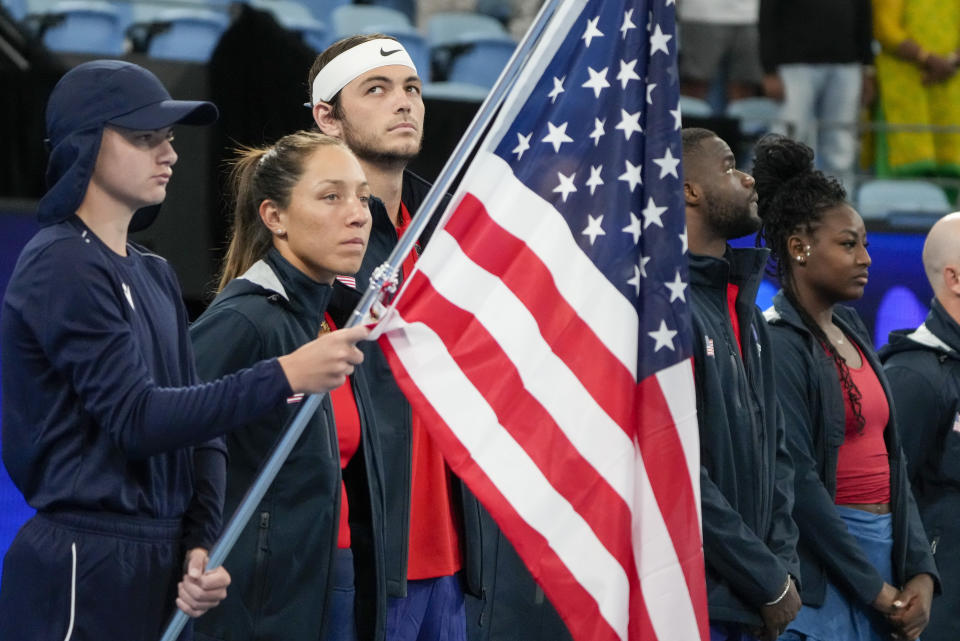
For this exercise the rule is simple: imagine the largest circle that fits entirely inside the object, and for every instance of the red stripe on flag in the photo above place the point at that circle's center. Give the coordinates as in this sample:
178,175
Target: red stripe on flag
504,255
577,607
666,466
497,379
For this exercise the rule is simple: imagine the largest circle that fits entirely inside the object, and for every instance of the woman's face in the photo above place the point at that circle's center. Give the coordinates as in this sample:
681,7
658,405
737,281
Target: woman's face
327,223
837,268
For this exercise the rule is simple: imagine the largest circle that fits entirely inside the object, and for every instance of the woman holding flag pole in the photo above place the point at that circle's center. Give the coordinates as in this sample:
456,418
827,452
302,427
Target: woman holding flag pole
301,217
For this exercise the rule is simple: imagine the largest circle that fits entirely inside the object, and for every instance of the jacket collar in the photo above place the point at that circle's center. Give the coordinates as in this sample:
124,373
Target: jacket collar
274,275
740,267
938,332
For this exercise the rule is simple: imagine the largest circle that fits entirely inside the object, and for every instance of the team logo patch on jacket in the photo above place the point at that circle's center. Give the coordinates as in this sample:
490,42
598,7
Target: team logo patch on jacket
296,398
709,343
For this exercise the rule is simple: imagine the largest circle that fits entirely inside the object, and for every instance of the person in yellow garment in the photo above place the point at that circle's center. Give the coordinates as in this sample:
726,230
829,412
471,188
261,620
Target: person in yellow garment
918,84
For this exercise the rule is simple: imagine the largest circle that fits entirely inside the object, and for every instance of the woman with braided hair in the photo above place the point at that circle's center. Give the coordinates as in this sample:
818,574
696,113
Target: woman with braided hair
866,569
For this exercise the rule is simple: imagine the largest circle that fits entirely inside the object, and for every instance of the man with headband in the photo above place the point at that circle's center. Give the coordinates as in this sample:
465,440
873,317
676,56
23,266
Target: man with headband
366,90
106,430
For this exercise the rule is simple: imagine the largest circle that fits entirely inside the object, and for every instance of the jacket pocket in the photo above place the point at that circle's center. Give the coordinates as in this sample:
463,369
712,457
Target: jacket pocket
261,562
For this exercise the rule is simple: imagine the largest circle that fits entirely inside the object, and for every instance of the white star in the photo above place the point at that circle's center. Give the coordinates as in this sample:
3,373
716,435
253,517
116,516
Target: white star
627,73
593,228
598,81
658,41
627,23
598,131
663,336
635,281
643,265
557,89
629,123
676,288
652,213
592,31
558,136
595,180
632,175
676,118
668,164
566,186
633,228
523,143
650,88
683,240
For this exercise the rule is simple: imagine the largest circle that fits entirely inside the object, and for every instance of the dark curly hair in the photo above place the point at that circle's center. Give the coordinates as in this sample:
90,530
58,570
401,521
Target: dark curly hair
792,197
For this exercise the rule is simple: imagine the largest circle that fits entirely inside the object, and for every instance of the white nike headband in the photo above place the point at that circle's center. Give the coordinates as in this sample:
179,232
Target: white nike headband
356,61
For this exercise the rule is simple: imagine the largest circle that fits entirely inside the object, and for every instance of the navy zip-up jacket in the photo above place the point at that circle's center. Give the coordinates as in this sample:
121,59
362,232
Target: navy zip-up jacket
923,367
746,477
813,403
282,564
101,401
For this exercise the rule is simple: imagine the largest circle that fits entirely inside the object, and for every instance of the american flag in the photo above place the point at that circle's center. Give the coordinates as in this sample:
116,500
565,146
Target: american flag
545,337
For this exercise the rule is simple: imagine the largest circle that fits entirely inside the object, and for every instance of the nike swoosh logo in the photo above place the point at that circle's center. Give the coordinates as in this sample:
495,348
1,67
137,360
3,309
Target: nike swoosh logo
388,53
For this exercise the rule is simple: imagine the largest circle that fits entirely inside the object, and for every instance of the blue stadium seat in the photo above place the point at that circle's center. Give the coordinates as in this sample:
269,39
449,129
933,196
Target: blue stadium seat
352,19
297,17
756,115
695,107
16,8
323,9
448,28
406,7
187,34
455,91
902,200
480,62
84,26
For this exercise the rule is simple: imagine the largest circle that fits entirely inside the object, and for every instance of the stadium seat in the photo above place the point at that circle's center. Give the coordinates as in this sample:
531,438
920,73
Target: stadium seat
323,9
297,17
16,8
756,115
352,19
84,26
480,62
186,34
447,28
455,91
901,200
406,7
695,107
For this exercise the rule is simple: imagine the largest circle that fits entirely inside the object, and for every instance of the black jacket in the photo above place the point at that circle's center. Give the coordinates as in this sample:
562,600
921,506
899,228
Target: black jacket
813,404
746,478
282,563
923,367
394,419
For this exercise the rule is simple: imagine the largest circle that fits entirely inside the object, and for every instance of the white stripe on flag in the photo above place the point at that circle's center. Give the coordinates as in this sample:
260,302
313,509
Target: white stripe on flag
677,385
664,585
461,281
601,305
510,469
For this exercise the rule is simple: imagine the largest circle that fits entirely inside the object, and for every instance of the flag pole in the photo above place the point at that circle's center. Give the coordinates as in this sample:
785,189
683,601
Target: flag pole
378,280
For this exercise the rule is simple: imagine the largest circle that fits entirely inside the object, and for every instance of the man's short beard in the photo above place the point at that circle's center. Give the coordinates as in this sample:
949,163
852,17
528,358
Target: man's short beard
729,220
368,153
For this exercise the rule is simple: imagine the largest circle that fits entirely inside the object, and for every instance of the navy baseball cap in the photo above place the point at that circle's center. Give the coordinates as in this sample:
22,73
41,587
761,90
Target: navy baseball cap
87,98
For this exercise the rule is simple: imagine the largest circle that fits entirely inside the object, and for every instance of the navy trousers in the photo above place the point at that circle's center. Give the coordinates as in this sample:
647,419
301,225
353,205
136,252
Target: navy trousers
75,576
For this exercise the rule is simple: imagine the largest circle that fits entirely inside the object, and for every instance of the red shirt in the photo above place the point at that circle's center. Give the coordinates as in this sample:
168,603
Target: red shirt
434,543
347,419
732,291
863,467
